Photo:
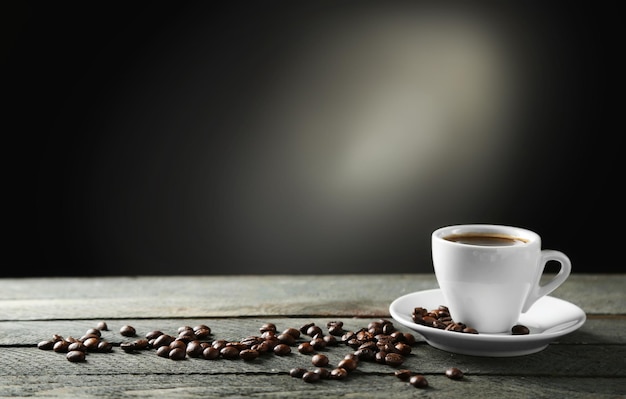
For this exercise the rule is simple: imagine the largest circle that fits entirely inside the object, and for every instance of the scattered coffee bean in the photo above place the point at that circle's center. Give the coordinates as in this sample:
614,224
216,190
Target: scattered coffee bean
229,352
297,372
403,374
77,346
282,349
102,326
379,342
105,346
194,349
61,346
91,344
153,334
348,364
268,327
46,345
210,353
310,376
294,332
249,354
177,354
75,356
128,331
127,346
93,332
394,359
320,360
338,374
323,372
306,348
164,351
454,373
418,381
162,340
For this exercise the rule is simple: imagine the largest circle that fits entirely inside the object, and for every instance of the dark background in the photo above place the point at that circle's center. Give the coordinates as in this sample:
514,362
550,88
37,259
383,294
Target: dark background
266,137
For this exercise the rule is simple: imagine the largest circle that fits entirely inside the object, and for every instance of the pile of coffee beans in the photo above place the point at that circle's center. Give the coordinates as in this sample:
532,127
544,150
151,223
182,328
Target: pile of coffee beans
75,349
379,342
440,318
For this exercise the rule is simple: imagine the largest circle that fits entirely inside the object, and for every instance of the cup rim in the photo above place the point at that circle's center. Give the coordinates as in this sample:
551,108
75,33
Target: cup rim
515,231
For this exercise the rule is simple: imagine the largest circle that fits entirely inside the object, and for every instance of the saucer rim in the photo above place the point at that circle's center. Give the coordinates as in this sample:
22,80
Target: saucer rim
502,337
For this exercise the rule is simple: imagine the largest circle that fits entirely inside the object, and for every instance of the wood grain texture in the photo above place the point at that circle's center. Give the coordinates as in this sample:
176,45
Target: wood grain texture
223,296
589,362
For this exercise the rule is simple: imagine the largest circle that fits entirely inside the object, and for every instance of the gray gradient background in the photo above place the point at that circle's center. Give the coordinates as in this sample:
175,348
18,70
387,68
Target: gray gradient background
301,137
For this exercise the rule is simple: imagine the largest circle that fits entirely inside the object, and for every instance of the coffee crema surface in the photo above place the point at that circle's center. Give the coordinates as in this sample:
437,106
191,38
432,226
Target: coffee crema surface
486,239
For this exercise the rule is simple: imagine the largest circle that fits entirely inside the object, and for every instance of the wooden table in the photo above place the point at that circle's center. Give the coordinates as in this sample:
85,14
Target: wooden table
589,362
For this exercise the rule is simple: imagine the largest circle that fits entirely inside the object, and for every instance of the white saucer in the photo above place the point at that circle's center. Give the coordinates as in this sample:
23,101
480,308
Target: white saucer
547,319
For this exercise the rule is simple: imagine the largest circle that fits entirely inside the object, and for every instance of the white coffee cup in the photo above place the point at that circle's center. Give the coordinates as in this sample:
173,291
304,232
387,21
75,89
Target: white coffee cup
490,274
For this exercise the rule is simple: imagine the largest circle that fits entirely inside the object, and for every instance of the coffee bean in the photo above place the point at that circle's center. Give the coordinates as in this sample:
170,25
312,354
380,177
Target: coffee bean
320,360
77,346
128,331
318,344
127,346
268,327
403,374
294,332
153,334
306,348
163,351
297,372
409,339
418,381
323,372
520,330
394,359
210,353
403,349
338,373
287,339
314,330
162,340
75,356
178,343
93,332
282,349
304,328
202,327
104,346
348,364
202,333
310,377
46,345
177,354
229,352
61,346
194,349
454,373
249,354
102,326
365,354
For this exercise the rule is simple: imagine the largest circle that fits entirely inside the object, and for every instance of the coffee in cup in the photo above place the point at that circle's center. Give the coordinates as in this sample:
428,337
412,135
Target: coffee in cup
490,274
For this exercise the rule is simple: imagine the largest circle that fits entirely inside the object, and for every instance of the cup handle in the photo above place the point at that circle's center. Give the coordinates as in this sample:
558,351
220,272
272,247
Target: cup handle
539,291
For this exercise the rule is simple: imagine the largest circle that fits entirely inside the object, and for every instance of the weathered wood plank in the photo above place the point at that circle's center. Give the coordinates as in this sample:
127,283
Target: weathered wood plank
228,296
357,385
564,360
556,360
